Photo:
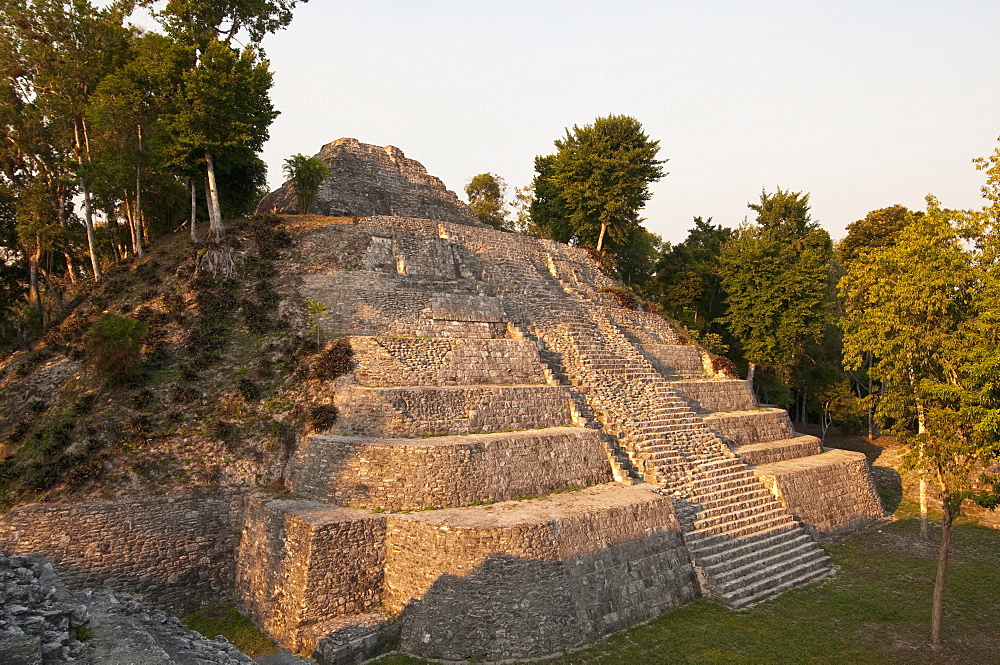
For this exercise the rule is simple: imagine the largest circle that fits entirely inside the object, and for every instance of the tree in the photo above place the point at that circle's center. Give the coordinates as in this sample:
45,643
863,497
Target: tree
597,181
131,146
925,309
198,23
549,211
224,110
306,174
689,279
56,53
777,277
223,115
486,193
879,228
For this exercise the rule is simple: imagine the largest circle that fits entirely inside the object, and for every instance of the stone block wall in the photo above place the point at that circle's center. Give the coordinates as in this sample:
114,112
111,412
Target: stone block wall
717,394
410,361
831,493
780,450
519,580
675,359
371,303
178,553
743,427
434,411
448,471
302,564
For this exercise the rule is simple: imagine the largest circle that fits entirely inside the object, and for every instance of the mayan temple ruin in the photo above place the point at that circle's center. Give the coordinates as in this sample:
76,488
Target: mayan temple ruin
520,464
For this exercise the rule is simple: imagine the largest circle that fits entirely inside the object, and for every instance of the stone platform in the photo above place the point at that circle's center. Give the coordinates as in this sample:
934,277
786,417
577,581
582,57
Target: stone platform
448,471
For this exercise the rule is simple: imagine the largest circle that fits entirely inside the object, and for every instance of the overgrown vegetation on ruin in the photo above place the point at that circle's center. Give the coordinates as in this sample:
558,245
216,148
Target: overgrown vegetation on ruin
167,376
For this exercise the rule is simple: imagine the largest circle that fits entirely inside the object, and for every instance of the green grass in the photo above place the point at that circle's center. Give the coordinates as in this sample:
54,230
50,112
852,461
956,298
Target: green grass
875,609
237,628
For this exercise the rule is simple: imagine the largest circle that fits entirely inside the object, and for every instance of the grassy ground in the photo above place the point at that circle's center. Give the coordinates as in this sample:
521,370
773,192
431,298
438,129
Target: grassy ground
237,628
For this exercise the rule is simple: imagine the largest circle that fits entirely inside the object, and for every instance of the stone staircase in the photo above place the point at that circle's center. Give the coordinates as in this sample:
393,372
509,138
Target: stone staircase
745,545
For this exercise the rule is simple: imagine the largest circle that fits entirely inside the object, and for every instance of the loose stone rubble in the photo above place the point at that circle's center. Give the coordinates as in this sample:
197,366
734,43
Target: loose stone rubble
572,467
41,622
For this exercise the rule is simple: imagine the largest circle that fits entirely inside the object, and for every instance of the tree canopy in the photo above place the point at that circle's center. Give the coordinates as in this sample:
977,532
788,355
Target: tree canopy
486,192
592,189
102,119
777,277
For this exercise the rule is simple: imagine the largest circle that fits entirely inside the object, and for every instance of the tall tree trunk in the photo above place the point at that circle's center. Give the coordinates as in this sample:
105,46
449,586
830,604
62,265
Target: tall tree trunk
802,408
137,213
34,294
70,268
88,215
215,228
600,238
194,212
871,400
921,429
950,509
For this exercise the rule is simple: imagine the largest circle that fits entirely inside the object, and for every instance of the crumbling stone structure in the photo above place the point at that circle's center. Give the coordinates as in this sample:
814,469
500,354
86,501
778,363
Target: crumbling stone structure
369,180
520,464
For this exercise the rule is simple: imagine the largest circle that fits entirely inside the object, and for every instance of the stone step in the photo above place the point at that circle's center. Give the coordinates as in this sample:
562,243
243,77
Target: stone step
736,518
703,538
714,545
725,497
771,587
737,503
739,568
775,571
710,484
751,548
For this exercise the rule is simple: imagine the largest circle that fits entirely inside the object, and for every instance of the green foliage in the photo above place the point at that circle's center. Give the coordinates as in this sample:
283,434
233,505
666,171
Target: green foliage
315,311
777,277
879,228
114,346
239,629
689,280
486,192
549,211
195,23
306,174
905,304
596,182
334,360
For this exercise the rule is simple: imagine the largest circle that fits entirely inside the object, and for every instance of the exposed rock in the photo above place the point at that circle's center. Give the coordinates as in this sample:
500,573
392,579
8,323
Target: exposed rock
41,622
369,180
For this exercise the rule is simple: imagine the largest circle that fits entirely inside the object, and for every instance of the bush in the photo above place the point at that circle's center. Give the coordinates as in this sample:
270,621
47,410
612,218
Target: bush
114,345
723,365
250,390
322,417
626,299
334,361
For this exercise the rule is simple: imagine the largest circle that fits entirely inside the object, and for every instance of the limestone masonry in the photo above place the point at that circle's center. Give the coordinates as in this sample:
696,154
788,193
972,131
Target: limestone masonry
371,180
520,465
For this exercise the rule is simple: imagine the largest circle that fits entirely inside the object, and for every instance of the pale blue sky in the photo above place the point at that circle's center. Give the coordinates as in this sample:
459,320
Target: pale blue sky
862,104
